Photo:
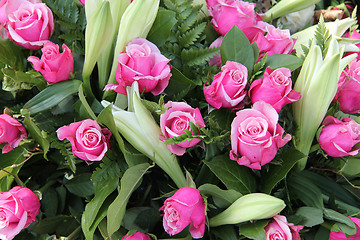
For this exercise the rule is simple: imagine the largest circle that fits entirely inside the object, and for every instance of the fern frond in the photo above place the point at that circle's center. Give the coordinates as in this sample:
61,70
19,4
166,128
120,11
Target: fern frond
198,56
189,38
107,169
322,36
190,20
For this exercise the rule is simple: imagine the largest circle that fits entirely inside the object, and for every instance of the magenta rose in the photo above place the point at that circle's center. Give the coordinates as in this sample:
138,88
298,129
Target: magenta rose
185,207
11,132
354,35
18,208
53,65
228,89
256,135
341,236
348,93
226,14
339,138
141,62
280,229
88,140
136,236
217,59
82,2
30,25
274,88
175,120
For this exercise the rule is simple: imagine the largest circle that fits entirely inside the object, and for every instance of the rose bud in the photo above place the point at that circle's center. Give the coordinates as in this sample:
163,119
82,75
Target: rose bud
280,229
136,236
53,65
256,135
339,138
11,132
228,89
175,120
185,207
274,88
88,140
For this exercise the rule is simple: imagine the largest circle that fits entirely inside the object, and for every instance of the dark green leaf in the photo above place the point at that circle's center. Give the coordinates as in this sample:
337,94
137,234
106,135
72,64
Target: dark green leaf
254,230
80,185
283,60
343,223
52,225
16,80
310,216
225,233
85,104
10,54
222,198
161,28
49,202
179,85
133,157
234,176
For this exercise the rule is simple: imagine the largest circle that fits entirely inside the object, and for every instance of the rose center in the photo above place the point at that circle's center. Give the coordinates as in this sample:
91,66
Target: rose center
277,236
237,77
3,219
180,124
90,138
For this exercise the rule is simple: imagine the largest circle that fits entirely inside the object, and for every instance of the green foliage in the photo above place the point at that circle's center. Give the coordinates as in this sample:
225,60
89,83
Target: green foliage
322,36
254,230
14,81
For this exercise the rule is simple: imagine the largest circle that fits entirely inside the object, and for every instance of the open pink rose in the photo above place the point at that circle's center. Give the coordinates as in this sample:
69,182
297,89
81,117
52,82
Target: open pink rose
348,93
341,236
30,25
9,6
185,207
141,62
11,132
274,88
228,89
256,135
88,140
280,229
175,120
338,138
53,65
217,59
18,208
136,236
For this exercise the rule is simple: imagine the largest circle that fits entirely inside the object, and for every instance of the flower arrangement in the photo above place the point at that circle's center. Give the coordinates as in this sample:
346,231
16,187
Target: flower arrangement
186,119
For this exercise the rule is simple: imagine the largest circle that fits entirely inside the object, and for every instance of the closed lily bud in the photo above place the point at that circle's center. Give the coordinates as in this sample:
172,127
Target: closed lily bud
253,206
98,33
136,22
139,128
285,7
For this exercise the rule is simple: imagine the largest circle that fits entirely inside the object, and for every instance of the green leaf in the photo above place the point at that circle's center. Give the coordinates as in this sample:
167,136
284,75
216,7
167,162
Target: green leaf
52,95
179,85
284,60
222,198
9,162
310,216
190,37
80,185
141,218
85,104
10,54
277,173
198,56
52,225
225,232
17,80
133,157
161,28
129,182
236,47
50,202
343,223
254,230
351,167
234,176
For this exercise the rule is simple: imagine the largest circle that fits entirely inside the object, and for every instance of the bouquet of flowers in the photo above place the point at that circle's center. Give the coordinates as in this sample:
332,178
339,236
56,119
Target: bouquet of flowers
179,119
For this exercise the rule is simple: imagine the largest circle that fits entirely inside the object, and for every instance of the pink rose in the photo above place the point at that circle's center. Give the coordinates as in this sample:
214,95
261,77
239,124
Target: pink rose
175,120
348,93
280,229
338,138
11,132
82,2
185,207
354,35
228,89
341,236
9,6
30,25
136,236
274,88
217,59
228,13
18,208
88,140
256,135
276,41
141,62
53,65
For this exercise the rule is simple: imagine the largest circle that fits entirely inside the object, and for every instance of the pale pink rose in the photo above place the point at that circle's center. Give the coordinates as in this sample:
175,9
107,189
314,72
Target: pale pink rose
11,132
274,41
82,2
30,25
256,135
53,65
18,208
341,236
9,6
274,88
348,93
88,140
217,59
175,120
185,207
339,138
136,236
228,13
141,62
280,229
228,89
